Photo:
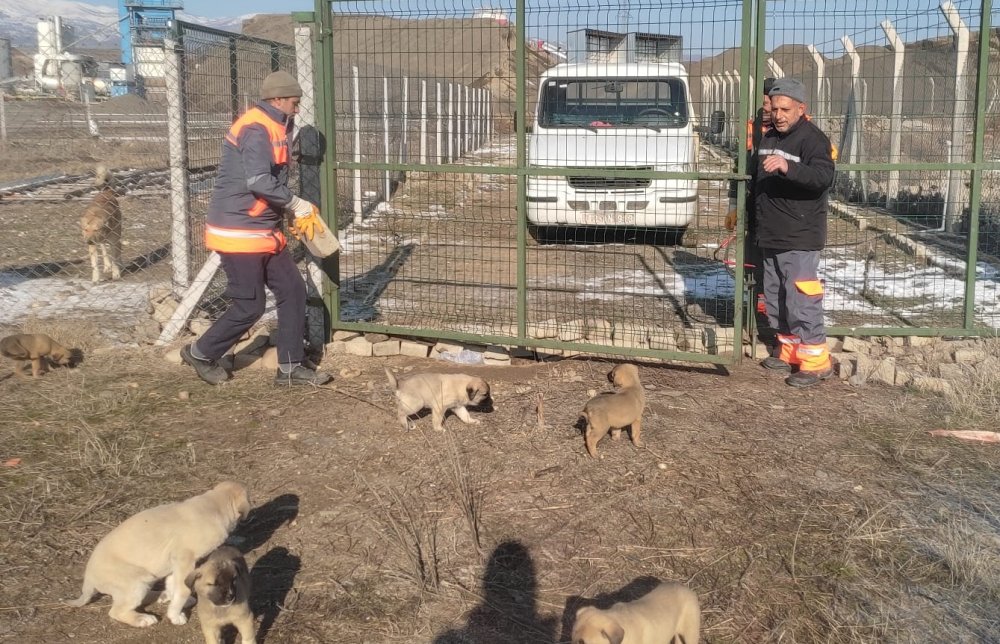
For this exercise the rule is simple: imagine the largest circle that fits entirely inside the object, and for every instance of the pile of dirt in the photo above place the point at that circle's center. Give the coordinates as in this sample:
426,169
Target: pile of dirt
476,52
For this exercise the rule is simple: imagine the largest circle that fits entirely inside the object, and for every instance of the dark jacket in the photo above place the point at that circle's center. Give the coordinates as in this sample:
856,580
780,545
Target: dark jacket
251,188
791,209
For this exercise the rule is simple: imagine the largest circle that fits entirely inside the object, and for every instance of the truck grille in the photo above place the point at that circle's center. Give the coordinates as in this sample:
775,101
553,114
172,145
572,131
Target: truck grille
610,183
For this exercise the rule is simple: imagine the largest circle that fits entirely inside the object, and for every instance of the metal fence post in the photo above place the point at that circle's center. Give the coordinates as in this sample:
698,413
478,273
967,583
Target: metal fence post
423,122
386,184
956,181
3,117
896,120
180,237
439,131
356,104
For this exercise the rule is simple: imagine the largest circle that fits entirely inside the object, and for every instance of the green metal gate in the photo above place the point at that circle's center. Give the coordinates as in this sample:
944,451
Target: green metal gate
428,109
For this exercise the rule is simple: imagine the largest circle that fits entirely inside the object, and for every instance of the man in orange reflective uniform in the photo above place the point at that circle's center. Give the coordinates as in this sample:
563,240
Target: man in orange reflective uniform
791,184
243,225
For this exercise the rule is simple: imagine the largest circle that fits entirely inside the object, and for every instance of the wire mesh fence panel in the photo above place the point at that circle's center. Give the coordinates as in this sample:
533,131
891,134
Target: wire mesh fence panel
893,83
625,251
418,87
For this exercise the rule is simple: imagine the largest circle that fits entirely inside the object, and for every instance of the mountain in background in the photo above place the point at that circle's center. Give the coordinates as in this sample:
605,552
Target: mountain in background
95,26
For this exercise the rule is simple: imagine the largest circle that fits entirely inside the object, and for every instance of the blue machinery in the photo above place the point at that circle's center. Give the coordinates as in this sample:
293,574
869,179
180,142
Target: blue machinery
141,23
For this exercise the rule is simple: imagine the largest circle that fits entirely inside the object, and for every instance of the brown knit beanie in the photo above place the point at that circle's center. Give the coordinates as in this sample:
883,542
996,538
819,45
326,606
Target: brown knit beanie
280,84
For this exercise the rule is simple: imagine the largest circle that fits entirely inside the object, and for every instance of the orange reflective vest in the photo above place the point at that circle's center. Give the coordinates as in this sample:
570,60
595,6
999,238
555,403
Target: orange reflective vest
240,221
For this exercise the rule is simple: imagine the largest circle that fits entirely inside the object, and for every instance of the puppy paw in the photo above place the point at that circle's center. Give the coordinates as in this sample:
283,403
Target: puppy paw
475,421
179,619
143,620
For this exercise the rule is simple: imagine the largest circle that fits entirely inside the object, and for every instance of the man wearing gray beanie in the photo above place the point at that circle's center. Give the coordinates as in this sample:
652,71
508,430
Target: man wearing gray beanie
790,186
243,226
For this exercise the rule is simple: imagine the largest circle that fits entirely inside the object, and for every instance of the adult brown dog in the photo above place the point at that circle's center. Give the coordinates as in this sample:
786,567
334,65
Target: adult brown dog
439,392
222,585
669,614
161,543
36,348
613,411
101,224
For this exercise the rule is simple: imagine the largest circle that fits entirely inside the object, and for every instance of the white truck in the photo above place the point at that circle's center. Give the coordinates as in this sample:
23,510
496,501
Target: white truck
614,111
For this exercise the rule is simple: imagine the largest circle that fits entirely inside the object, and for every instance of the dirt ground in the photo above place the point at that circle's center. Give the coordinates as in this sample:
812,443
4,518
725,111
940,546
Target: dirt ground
828,515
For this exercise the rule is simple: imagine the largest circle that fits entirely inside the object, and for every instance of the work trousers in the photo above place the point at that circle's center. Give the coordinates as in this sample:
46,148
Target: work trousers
247,275
794,298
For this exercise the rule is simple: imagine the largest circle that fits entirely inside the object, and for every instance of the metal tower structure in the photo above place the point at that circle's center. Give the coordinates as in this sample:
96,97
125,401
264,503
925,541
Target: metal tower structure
144,23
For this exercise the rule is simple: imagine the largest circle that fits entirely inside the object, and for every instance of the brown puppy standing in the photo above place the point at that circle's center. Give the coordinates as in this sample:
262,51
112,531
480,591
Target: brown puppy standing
222,584
613,411
163,542
669,614
439,392
36,348
101,224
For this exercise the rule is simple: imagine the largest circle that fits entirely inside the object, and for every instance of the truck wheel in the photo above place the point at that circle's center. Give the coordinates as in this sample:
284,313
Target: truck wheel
543,234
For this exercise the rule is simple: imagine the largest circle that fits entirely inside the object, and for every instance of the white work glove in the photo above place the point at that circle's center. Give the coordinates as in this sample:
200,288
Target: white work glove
302,208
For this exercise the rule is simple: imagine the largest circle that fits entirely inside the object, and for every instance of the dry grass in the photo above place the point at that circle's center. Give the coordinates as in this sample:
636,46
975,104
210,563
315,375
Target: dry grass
977,403
851,533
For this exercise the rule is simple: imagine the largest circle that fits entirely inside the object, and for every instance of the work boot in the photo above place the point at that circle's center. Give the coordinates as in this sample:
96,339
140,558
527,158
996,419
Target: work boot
775,364
300,375
808,378
208,370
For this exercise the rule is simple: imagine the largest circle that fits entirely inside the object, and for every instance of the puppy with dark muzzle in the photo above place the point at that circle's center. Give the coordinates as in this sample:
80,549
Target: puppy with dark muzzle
36,348
222,585
614,410
439,392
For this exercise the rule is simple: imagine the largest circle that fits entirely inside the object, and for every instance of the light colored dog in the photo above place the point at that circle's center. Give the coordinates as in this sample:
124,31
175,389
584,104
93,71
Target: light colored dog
669,614
613,411
37,348
222,585
101,223
161,543
439,392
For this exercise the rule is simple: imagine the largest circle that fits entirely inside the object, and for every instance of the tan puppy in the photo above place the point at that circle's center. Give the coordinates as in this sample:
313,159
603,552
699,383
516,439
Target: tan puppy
439,392
101,224
222,584
613,411
669,614
34,347
161,542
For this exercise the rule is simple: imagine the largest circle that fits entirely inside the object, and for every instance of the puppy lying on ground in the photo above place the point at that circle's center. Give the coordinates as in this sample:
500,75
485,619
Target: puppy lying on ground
37,348
439,392
669,614
613,411
222,585
161,542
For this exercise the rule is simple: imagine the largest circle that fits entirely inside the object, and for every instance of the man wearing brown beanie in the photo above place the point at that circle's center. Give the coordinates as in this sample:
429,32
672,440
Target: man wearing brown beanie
243,225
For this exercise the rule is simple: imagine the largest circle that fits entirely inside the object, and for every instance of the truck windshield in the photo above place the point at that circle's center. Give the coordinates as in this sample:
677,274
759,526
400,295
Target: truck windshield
651,103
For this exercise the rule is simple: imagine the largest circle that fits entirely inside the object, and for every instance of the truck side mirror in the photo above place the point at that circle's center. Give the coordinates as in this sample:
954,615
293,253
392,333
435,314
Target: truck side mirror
717,122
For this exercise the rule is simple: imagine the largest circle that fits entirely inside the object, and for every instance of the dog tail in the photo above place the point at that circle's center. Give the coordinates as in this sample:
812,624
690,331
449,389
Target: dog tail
392,378
102,176
85,595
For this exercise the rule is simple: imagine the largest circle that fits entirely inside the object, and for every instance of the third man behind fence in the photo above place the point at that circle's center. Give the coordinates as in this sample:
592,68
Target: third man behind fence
791,185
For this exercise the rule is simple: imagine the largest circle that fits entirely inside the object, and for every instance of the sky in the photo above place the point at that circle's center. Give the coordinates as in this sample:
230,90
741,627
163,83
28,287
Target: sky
706,25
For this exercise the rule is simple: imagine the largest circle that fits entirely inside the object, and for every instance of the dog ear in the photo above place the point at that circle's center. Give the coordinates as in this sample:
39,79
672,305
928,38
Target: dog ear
611,375
470,391
616,635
